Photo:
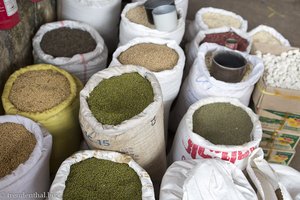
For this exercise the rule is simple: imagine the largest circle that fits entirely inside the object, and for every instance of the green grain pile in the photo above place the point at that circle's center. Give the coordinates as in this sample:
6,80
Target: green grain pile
120,98
39,90
16,144
223,123
95,179
154,57
67,42
138,15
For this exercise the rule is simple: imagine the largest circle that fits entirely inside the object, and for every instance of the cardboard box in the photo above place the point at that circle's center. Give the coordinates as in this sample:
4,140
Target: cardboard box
279,140
278,156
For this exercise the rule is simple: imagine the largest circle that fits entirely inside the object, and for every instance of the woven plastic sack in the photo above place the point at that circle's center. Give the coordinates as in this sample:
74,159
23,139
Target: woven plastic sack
61,121
190,145
33,175
205,179
180,4
199,84
264,178
192,47
142,136
130,30
169,80
199,25
103,15
58,185
81,65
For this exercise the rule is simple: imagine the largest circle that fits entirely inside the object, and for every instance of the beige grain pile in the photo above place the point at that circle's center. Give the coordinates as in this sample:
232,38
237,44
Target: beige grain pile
208,62
37,91
265,37
16,144
138,15
154,57
216,20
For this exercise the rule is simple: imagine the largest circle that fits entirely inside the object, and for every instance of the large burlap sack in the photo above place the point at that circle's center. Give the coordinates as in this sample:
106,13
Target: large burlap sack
58,186
199,25
81,65
180,4
169,80
204,179
264,178
33,175
130,30
190,145
290,178
142,136
61,121
103,15
191,48
199,84
270,38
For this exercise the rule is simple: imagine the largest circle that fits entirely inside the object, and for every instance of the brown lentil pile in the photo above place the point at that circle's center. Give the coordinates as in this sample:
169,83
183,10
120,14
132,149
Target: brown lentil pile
39,90
94,179
154,57
208,62
67,42
223,123
16,144
138,15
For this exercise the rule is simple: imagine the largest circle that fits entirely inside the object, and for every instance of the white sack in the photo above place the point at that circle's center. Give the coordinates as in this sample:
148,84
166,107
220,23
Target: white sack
142,136
192,47
103,15
199,25
33,176
180,5
130,30
290,178
58,186
204,179
81,65
264,178
169,80
199,84
190,145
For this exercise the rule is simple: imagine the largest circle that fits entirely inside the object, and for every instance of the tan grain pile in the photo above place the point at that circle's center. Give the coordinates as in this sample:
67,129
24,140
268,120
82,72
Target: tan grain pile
265,37
37,91
208,62
16,144
138,15
216,20
154,57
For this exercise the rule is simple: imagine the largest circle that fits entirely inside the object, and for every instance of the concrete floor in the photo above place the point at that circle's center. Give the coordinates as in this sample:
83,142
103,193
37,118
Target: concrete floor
283,15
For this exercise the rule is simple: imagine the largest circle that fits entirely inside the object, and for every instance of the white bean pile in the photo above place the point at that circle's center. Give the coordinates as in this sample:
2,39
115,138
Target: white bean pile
282,71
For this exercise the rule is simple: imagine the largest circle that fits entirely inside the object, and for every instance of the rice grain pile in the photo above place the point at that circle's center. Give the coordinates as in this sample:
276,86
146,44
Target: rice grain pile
39,90
216,20
138,15
265,37
16,144
154,57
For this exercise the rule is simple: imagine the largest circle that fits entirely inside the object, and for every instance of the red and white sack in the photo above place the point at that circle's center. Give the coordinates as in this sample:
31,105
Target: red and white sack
199,25
142,136
189,145
59,184
180,4
264,178
169,80
33,176
81,65
204,179
192,47
199,84
130,30
103,15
